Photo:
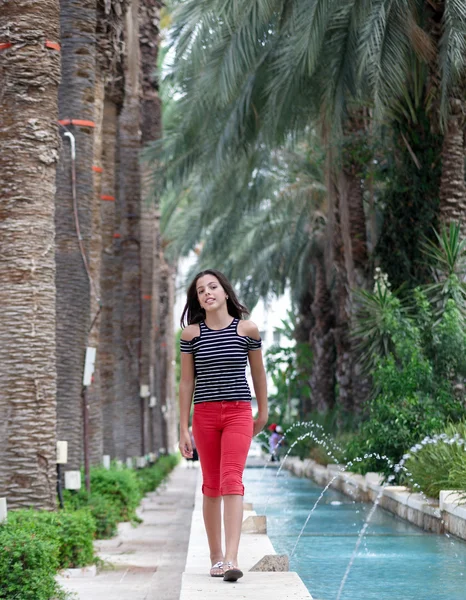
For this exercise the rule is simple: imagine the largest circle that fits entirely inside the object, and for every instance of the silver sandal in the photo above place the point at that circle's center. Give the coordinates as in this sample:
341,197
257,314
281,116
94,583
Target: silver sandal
231,573
218,565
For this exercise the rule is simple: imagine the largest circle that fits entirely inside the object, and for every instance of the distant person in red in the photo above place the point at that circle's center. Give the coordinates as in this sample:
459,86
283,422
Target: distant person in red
275,440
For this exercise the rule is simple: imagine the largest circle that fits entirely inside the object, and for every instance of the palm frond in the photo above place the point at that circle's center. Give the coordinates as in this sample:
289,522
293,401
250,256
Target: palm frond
452,49
384,51
257,229
448,261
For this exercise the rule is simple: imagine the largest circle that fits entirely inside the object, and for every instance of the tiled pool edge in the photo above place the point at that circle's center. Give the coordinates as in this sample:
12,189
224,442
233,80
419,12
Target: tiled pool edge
445,516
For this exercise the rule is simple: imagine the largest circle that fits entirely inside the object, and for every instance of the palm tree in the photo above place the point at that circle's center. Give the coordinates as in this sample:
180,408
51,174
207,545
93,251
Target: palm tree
248,71
129,192
266,219
436,33
94,399
151,119
106,350
30,66
411,192
322,339
452,182
110,37
286,76
74,201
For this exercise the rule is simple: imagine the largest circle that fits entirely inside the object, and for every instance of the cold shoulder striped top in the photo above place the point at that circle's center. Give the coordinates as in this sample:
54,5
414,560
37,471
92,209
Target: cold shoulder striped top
220,359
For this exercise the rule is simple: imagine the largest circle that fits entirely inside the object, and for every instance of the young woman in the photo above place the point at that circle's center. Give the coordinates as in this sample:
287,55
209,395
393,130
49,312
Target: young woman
215,347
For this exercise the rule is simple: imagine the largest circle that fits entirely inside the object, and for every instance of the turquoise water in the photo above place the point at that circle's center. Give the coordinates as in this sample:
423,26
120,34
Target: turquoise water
395,561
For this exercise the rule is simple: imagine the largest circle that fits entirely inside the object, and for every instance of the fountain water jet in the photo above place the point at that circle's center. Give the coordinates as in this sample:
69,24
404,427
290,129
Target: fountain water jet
299,439
305,424
396,469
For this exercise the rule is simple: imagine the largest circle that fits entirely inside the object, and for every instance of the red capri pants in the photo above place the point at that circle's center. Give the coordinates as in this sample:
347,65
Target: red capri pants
222,432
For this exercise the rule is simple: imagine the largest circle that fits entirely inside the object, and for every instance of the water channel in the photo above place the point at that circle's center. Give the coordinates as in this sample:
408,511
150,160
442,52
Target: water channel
396,560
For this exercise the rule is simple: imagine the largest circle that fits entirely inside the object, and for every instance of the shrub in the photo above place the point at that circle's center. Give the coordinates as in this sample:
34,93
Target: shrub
151,477
116,493
105,515
28,565
73,532
169,462
440,466
104,512
396,423
120,487
414,395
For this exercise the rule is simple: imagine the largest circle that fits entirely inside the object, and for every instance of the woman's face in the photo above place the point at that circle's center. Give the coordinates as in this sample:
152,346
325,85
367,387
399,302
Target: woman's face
210,293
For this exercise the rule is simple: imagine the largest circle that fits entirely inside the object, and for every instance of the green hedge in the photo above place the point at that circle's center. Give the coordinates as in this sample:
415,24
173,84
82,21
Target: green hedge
28,565
115,495
117,492
151,477
105,514
73,532
34,545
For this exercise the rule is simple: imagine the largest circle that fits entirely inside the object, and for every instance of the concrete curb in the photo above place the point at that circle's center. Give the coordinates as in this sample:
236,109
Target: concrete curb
266,574
89,571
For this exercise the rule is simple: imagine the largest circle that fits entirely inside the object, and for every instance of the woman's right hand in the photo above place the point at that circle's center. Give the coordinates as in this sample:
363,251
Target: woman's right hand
185,446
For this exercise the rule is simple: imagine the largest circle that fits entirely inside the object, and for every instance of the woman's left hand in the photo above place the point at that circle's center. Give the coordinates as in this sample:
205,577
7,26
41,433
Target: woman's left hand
259,424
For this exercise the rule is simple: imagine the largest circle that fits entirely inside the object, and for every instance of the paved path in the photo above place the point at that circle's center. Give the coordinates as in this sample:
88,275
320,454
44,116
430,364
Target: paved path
146,562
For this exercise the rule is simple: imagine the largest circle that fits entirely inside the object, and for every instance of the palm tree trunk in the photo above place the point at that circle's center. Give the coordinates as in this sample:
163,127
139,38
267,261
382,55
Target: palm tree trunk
350,256
164,328
76,102
157,417
110,34
165,424
322,342
341,329
302,335
29,140
353,232
119,399
171,413
148,223
336,264
149,16
351,202
452,184
106,353
130,198
95,255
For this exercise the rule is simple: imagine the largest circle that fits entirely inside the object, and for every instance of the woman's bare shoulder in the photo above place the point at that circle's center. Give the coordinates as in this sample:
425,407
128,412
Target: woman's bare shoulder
190,332
248,328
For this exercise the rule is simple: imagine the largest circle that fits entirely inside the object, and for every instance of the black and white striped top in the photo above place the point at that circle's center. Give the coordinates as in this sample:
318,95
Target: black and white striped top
220,358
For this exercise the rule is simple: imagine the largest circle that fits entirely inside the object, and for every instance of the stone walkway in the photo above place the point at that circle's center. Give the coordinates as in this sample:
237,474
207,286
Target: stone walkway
166,557
146,562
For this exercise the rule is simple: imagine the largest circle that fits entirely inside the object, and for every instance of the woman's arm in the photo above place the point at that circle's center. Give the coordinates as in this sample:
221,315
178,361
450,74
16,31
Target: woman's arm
259,381
259,378
186,390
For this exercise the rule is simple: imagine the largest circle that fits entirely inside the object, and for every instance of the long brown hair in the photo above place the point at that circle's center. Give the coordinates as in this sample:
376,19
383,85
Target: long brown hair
193,313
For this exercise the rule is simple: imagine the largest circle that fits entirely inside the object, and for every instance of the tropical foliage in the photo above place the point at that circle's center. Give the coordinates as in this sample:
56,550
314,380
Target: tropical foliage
416,351
307,143
289,367
441,464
